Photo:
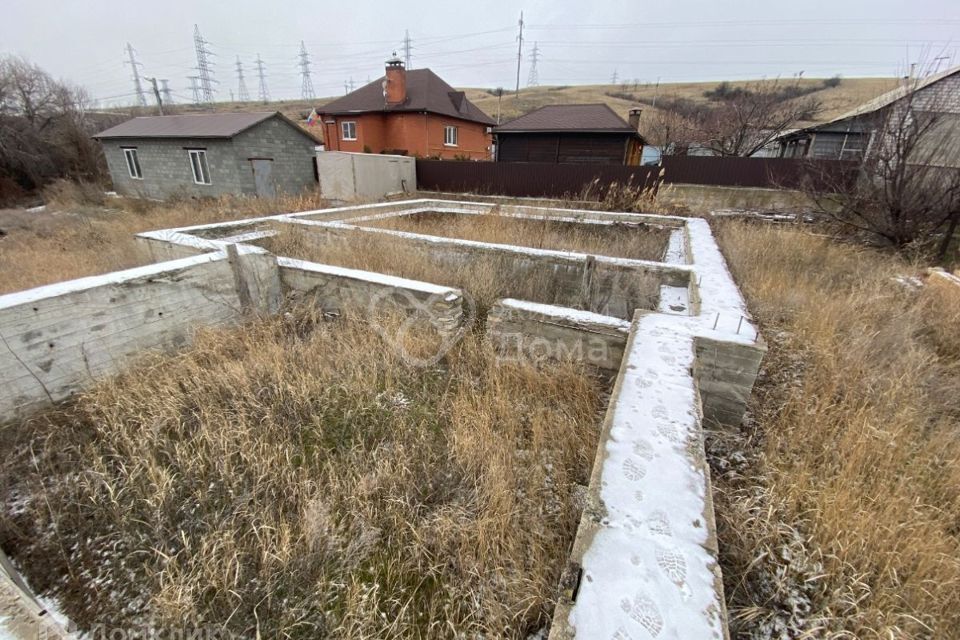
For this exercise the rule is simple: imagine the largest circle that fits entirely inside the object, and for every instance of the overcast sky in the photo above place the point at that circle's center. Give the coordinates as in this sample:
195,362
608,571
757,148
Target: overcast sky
475,43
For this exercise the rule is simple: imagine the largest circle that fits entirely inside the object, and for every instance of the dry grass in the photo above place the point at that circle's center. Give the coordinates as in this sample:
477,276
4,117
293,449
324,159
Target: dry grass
296,479
839,503
82,233
635,241
486,278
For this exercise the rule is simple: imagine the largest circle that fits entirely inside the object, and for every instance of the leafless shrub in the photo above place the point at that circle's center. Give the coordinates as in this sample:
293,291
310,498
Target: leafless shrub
907,195
44,128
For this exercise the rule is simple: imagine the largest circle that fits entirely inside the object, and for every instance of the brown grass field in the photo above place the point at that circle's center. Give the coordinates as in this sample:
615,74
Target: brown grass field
636,242
295,473
838,502
295,478
82,233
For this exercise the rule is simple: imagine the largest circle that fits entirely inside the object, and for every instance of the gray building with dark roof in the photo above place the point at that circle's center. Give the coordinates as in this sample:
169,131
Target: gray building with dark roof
216,154
571,133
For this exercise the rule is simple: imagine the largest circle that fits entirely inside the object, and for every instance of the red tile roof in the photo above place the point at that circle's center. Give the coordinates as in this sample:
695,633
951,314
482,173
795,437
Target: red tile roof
425,92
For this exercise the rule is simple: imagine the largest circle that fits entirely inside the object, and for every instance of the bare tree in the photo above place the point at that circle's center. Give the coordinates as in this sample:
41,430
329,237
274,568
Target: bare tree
44,130
743,120
907,192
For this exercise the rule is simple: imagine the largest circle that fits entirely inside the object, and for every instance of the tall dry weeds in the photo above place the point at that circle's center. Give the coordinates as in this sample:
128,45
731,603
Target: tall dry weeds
297,479
486,277
635,241
83,233
839,502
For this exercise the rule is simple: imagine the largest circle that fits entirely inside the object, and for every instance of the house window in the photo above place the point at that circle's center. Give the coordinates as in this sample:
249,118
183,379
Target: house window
133,163
348,130
198,162
450,136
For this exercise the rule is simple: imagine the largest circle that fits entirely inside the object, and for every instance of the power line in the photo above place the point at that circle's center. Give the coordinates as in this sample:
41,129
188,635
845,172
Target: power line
407,46
306,84
135,66
519,54
264,93
242,92
533,79
203,65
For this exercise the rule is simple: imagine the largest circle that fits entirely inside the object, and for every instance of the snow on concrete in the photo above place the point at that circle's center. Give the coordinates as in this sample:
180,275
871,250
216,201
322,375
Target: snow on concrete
246,237
723,313
566,313
674,300
368,276
115,277
676,250
650,569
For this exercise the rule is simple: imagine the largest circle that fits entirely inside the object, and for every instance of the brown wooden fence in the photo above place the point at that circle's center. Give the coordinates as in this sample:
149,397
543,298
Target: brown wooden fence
540,179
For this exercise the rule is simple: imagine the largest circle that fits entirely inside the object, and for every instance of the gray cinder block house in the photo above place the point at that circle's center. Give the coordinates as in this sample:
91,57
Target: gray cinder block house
210,155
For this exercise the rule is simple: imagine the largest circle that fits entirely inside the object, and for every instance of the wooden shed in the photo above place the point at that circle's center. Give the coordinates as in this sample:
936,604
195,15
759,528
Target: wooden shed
571,133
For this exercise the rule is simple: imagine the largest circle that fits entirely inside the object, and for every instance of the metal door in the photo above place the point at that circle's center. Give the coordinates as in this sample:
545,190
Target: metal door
263,177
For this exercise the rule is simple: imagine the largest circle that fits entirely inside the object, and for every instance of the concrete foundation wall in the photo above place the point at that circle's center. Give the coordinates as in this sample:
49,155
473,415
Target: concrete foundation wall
336,289
58,339
697,198
353,176
518,329
725,373
611,287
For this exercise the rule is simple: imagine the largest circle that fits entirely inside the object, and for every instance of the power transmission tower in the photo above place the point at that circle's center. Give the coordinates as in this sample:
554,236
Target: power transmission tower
137,86
264,93
242,91
195,88
407,46
203,65
614,77
306,85
533,80
352,84
519,54
165,91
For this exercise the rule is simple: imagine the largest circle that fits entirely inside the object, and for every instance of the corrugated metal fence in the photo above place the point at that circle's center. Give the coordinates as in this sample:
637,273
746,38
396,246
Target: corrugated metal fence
541,179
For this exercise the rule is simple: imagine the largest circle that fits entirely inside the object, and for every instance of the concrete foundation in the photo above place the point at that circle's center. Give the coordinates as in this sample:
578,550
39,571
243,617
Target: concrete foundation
644,559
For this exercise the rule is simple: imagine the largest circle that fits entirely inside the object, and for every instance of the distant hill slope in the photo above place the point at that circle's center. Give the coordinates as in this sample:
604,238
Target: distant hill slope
836,100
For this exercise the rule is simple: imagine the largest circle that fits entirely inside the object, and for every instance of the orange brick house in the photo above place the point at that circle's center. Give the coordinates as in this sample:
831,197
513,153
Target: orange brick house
410,113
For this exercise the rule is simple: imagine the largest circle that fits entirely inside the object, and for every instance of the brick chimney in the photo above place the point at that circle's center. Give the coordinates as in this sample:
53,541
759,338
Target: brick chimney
634,118
395,86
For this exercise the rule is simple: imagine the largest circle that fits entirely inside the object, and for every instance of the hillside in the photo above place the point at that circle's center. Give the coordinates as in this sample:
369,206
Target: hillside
836,100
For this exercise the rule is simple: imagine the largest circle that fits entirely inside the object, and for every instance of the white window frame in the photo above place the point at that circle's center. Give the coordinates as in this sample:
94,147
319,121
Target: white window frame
345,128
450,140
198,160
133,163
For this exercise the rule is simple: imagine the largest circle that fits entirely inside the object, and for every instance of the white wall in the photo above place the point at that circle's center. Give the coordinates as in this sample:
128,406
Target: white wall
352,176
